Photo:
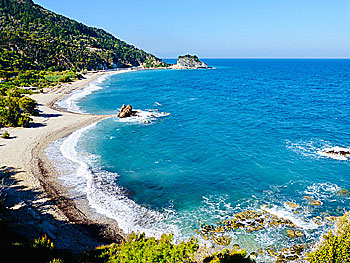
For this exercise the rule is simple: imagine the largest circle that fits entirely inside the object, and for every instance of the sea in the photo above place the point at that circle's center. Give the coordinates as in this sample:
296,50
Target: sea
247,134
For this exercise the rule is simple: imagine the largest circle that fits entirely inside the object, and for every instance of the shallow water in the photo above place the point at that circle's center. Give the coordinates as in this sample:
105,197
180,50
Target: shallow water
244,134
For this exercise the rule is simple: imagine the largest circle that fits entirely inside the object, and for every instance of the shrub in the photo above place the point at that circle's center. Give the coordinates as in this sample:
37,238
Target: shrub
335,245
28,105
227,256
138,248
57,260
43,242
5,135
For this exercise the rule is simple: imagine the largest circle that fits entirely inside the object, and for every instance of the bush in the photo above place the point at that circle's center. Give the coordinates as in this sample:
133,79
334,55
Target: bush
227,256
28,105
138,248
335,245
43,242
5,135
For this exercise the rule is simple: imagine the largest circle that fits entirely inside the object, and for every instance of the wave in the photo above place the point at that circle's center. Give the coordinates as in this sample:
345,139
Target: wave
104,195
71,102
318,149
334,153
144,117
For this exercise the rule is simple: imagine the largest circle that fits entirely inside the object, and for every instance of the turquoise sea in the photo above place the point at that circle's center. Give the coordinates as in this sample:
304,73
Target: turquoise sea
247,133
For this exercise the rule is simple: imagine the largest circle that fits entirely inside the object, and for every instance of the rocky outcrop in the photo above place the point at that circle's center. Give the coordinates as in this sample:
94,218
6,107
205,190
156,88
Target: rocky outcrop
126,111
189,62
337,151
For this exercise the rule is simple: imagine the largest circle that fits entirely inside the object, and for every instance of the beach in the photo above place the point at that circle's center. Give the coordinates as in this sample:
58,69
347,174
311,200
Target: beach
160,173
35,196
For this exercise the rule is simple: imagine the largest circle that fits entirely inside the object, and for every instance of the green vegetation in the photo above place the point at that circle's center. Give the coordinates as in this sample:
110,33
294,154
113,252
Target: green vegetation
32,37
35,78
138,248
15,109
194,57
5,135
335,246
154,63
227,256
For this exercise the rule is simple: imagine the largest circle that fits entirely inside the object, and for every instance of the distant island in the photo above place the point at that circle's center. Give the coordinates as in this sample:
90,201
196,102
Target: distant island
189,62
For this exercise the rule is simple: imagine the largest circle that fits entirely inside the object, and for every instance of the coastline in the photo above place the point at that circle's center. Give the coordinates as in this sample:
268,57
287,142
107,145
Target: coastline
34,184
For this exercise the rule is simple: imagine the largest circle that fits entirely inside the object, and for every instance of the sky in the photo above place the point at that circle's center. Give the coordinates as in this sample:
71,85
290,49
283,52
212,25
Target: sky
221,28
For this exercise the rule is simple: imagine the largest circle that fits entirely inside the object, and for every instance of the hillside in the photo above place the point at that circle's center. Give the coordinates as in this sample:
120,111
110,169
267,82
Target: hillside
32,37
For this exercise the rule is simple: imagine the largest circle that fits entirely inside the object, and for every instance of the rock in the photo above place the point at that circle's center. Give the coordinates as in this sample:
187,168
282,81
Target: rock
298,233
236,247
126,111
308,197
317,221
315,202
291,233
290,254
250,220
253,255
291,204
189,62
337,151
222,240
344,192
271,251
49,229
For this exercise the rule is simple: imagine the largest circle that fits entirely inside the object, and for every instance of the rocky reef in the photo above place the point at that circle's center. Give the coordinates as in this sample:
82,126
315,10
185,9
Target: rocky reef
189,62
249,220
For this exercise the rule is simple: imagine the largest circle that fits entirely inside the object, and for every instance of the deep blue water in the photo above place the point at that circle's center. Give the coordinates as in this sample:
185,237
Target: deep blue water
244,134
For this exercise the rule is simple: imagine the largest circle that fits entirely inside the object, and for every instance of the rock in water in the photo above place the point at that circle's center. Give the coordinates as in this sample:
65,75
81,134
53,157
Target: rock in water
126,111
337,151
189,62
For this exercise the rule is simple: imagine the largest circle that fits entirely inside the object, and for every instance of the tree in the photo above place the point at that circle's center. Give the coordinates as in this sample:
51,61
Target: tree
28,105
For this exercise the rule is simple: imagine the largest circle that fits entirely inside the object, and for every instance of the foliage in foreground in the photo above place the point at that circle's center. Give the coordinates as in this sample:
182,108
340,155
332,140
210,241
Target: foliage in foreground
138,248
227,256
335,246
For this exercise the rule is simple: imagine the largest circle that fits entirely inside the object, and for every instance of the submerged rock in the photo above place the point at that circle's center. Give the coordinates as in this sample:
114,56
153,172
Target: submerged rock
291,204
293,234
290,254
344,192
249,220
315,202
222,240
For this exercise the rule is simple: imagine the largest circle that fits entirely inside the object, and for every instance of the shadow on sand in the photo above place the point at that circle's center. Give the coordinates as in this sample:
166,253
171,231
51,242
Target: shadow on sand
25,216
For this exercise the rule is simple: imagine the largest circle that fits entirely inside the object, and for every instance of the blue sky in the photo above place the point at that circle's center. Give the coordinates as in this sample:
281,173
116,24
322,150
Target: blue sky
222,28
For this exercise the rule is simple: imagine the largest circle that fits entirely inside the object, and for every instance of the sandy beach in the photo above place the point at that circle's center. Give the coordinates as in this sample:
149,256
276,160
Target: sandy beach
38,201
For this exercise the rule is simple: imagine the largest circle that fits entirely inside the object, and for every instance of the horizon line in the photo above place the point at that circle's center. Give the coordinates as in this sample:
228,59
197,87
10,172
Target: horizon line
269,58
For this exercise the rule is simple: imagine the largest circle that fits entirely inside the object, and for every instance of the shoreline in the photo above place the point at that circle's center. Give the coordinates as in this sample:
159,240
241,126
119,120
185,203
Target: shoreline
35,188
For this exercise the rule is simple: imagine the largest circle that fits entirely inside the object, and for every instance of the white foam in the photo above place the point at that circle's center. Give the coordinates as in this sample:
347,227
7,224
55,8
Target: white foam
322,191
144,117
106,197
71,102
281,212
317,149
325,152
